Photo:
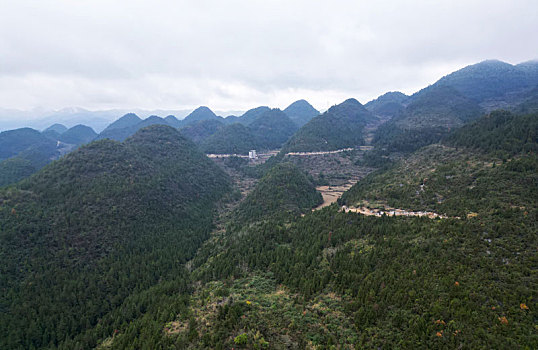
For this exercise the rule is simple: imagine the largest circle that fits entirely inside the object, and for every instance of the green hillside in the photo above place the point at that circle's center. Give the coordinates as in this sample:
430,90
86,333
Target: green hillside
272,129
390,104
284,191
200,113
488,167
344,280
128,120
59,128
250,115
201,130
15,141
530,103
342,126
78,135
301,112
90,233
15,169
426,119
23,152
232,139
491,79
127,126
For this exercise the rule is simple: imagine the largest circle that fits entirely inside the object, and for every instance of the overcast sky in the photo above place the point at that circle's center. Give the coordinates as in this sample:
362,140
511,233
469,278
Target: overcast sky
226,54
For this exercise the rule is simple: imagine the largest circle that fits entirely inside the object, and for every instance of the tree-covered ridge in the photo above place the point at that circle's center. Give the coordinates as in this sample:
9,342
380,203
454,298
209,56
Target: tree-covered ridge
285,191
269,130
530,103
426,119
12,142
59,128
487,167
23,152
345,280
491,79
128,120
127,126
15,169
250,115
439,106
200,113
78,135
106,222
499,132
390,104
342,126
232,139
201,130
454,182
301,112
272,128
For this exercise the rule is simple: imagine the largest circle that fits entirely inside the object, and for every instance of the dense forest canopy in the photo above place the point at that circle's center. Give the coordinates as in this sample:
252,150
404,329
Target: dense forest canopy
86,227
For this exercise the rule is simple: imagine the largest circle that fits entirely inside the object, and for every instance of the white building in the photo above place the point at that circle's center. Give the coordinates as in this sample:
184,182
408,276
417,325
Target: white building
252,154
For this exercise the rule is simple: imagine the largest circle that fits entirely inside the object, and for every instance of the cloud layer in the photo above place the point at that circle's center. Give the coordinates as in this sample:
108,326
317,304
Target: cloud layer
238,54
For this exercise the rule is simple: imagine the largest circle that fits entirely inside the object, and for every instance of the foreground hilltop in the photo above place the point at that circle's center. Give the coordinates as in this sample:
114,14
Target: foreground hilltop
86,226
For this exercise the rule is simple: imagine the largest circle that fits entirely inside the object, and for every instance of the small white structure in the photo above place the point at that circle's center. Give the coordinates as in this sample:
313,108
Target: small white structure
252,154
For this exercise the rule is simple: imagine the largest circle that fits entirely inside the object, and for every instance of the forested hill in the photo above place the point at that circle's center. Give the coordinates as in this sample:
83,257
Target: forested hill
488,167
285,191
78,135
491,79
100,225
343,280
269,130
301,112
390,104
127,126
24,151
426,119
341,126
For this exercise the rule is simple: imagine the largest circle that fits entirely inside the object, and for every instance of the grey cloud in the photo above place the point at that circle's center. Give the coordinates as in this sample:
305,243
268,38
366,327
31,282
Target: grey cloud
238,54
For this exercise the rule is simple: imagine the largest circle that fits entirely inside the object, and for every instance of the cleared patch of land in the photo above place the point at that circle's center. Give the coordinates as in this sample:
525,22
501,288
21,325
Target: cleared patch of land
331,194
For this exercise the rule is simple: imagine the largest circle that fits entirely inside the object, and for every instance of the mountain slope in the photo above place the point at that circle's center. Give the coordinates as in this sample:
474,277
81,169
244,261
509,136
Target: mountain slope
272,128
467,173
200,113
23,152
341,126
301,112
128,120
96,227
121,133
285,191
172,121
491,79
390,104
250,115
201,130
530,103
78,135
232,139
59,128
426,119
15,141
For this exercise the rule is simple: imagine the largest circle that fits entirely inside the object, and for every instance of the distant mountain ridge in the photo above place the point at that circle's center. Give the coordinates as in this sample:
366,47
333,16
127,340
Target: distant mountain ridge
430,115
490,80
301,112
78,135
342,126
